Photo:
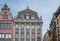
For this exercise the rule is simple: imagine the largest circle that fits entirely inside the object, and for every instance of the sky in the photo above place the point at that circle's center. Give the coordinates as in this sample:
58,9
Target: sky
44,8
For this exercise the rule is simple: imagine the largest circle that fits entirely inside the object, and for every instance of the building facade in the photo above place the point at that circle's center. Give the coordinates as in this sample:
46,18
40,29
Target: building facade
57,13
47,36
6,24
53,28
28,26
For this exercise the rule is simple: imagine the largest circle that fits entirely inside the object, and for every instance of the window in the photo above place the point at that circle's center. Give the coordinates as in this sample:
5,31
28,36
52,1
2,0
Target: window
0,36
17,32
22,39
5,16
8,36
27,17
8,25
33,29
16,35
27,35
27,30
22,30
22,35
5,36
38,39
32,17
33,36
28,39
33,39
16,39
22,17
1,25
17,26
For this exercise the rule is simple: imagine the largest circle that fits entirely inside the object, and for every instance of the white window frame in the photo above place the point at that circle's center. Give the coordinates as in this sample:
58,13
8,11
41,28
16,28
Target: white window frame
0,35
27,17
9,35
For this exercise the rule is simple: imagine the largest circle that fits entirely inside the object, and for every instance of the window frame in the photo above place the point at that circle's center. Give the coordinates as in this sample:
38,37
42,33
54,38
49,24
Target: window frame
5,16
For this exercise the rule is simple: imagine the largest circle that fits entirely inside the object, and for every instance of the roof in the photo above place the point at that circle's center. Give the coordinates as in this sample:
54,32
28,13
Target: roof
5,7
27,10
57,12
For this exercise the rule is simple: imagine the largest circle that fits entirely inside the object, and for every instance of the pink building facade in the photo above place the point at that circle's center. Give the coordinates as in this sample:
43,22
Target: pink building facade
6,24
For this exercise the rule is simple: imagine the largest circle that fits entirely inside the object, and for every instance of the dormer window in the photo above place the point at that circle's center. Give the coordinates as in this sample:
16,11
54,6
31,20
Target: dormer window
32,17
27,17
22,17
5,16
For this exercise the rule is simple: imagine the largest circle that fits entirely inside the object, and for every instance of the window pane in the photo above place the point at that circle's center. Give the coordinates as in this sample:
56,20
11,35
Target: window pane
6,35
8,25
22,17
0,35
17,26
9,35
1,25
5,16
27,17
32,17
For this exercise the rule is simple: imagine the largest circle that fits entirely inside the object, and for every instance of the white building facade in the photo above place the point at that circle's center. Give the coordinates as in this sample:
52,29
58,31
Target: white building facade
28,26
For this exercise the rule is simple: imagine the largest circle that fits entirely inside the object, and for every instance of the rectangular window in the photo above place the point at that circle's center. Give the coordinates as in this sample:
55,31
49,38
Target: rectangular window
33,39
27,39
16,35
27,17
16,39
5,16
8,25
22,39
33,30
5,36
0,36
22,30
38,39
1,25
8,36
27,35
22,35
22,17
27,30
32,17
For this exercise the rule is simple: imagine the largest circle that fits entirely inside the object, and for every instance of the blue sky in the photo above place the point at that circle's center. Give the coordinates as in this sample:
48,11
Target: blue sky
44,8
